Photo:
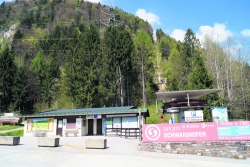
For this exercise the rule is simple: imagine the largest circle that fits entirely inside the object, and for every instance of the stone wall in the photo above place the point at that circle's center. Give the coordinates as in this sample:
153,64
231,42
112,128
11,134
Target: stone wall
229,149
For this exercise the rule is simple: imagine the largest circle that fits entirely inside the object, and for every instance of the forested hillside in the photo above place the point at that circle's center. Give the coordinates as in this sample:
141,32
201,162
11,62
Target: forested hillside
58,54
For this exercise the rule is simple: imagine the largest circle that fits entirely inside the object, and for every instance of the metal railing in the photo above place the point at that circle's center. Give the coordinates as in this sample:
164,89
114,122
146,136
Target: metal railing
124,132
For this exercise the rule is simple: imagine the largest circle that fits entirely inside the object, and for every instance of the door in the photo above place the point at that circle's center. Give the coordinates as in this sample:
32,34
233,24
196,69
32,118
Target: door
99,126
90,126
59,127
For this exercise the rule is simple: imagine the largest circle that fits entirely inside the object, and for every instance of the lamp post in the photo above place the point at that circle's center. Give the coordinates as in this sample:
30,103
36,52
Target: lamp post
140,126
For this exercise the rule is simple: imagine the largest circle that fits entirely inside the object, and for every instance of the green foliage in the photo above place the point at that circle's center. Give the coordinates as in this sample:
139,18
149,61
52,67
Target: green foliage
117,67
20,97
159,34
207,116
13,133
199,77
88,64
44,73
7,77
145,57
155,116
64,101
9,127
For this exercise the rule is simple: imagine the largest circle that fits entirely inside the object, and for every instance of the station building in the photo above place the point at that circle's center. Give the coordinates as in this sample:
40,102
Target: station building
87,121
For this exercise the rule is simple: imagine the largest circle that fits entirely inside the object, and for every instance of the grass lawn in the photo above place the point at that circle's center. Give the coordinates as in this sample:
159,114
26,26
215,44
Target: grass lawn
13,133
9,127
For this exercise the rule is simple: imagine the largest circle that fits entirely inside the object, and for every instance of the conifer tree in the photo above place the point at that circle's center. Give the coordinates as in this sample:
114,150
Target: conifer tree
7,76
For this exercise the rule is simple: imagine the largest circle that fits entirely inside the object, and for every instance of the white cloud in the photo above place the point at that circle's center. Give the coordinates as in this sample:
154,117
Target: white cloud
245,32
178,34
218,32
95,1
150,17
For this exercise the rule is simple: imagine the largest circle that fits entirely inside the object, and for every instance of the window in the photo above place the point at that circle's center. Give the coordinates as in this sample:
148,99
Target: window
83,122
40,124
71,123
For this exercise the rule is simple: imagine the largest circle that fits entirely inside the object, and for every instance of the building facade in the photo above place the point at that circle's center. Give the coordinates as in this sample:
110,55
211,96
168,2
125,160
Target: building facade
87,121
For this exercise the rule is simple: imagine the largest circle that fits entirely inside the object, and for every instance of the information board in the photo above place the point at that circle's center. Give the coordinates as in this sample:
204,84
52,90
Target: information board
209,131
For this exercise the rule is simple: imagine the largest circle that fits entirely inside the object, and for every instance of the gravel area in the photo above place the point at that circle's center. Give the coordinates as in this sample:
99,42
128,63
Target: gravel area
119,153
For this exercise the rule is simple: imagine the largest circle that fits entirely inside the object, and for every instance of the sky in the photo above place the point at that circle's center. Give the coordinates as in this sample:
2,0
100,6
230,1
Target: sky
222,18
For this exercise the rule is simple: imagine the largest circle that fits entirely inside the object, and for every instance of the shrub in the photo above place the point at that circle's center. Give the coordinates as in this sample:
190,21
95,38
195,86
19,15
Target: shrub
13,133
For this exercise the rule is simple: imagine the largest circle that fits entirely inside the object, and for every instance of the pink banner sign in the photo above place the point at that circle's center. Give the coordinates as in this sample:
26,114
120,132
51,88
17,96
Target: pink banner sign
209,131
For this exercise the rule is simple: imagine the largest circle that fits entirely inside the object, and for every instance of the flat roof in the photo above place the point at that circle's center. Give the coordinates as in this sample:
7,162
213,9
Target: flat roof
182,95
90,111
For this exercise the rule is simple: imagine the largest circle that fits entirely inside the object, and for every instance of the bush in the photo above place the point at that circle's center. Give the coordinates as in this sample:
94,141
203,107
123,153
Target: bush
13,133
9,127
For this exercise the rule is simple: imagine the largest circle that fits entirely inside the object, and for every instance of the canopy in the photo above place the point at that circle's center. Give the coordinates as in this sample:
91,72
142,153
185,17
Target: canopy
184,95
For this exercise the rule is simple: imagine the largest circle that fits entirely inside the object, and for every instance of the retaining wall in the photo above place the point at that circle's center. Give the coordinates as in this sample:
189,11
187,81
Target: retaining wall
228,149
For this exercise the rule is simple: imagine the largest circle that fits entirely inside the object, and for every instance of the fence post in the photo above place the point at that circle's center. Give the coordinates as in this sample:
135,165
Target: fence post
140,133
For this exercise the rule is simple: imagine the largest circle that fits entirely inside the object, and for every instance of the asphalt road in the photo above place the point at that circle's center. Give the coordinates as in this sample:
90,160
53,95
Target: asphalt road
120,153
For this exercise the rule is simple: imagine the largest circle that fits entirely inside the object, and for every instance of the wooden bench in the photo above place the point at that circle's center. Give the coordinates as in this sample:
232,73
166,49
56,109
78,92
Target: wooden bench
71,131
40,133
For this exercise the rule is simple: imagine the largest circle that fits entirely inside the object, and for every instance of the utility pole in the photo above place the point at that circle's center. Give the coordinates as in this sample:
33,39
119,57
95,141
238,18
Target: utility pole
111,17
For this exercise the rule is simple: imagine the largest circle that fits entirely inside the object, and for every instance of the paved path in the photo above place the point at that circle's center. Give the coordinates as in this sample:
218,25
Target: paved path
120,153
4,131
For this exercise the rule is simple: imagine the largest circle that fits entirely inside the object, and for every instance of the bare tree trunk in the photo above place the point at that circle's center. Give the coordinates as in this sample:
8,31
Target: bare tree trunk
121,88
143,82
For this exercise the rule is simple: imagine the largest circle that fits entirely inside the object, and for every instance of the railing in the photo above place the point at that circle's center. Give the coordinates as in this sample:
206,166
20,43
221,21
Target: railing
132,132
124,132
113,132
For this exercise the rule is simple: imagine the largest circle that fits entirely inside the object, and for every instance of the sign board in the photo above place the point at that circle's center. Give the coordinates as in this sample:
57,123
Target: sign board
10,114
172,110
78,124
117,122
93,116
129,122
209,131
220,115
193,116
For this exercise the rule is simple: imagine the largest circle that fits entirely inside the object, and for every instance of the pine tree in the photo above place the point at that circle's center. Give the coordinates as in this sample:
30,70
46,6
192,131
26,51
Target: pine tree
108,69
7,77
44,76
20,94
190,49
199,77
90,54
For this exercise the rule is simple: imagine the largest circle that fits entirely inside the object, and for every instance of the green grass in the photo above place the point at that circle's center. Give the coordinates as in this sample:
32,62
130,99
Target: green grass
155,116
13,133
9,127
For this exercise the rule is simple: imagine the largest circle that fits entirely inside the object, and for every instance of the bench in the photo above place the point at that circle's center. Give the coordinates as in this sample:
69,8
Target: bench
9,140
40,133
96,143
71,131
48,141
